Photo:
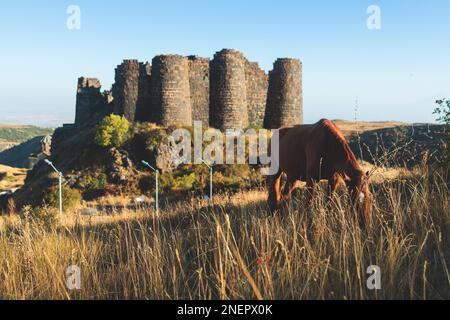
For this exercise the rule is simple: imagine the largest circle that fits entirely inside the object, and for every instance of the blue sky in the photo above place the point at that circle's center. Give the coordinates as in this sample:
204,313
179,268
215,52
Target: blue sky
396,72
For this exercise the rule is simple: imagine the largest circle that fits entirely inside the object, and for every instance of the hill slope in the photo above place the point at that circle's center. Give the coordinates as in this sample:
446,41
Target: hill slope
11,178
19,155
11,135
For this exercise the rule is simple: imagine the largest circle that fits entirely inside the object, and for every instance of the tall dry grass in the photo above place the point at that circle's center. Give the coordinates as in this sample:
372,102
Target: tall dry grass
237,250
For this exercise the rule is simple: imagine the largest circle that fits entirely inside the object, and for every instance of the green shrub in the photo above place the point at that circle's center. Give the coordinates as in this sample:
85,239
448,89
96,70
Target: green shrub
112,131
166,182
443,113
155,138
184,182
70,198
98,182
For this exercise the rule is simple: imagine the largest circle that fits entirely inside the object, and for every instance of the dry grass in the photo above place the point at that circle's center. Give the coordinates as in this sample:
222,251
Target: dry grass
351,127
15,177
236,250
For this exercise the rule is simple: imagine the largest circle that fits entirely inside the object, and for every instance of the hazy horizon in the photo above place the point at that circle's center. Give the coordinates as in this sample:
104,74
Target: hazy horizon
396,72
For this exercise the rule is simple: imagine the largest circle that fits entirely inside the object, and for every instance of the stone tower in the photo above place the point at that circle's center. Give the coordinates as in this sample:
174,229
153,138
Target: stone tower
88,98
228,96
199,84
170,91
126,89
284,98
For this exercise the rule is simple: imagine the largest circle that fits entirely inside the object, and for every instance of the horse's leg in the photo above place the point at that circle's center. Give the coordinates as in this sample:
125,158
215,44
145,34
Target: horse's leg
290,186
311,183
273,186
333,184
312,177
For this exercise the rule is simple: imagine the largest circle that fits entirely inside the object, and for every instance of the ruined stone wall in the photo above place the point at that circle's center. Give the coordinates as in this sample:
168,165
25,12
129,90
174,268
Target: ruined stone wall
284,98
227,92
257,83
170,91
126,89
143,104
199,85
228,97
88,98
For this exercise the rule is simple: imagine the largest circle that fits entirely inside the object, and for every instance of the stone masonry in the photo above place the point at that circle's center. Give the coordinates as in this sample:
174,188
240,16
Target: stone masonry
143,109
88,98
228,94
170,91
284,97
257,83
126,89
199,84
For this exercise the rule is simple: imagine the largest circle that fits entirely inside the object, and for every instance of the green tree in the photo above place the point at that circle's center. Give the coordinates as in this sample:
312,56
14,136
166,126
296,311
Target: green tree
70,198
112,131
443,113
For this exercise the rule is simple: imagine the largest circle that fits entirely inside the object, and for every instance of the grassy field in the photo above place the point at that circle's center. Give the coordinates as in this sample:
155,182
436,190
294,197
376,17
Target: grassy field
351,127
234,249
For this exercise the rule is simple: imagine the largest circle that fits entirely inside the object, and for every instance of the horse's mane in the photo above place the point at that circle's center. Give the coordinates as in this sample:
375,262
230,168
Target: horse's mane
339,138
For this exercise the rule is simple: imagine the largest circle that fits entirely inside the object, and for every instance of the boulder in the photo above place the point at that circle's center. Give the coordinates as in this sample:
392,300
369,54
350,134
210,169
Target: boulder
120,167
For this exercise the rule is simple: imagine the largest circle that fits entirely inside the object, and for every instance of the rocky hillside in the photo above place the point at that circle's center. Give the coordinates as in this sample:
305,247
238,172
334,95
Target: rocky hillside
400,145
26,154
97,171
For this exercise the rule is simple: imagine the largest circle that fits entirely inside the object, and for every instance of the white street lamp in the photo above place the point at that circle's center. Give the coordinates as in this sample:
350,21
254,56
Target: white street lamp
156,171
60,176
210,179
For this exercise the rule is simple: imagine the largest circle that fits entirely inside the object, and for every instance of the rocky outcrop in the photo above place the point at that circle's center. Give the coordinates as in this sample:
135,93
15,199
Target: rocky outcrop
119,166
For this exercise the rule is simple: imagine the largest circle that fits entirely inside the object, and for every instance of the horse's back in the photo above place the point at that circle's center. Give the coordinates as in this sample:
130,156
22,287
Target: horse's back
320,145
293,144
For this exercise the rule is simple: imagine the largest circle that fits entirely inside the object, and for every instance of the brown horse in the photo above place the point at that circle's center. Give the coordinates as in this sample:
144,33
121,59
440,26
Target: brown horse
314,152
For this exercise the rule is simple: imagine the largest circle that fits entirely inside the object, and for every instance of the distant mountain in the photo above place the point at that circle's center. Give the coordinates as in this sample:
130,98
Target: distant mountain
26,154
19,133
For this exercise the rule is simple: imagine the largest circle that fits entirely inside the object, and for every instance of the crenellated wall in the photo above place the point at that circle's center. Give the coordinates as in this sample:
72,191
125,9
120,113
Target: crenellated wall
284,98
228,94
170,91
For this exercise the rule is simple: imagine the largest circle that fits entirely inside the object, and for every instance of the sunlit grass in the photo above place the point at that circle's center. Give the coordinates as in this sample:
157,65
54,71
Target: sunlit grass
235,249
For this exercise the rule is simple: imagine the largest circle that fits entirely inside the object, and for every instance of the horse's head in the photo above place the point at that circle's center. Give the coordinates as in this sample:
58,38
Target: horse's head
362,198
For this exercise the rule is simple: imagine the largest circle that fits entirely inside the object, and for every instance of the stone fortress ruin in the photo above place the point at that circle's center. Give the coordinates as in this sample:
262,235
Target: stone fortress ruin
227,92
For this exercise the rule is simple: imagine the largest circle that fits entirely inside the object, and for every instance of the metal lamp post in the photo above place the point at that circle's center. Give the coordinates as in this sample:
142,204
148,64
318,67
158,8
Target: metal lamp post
156,171
210,179
60,176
